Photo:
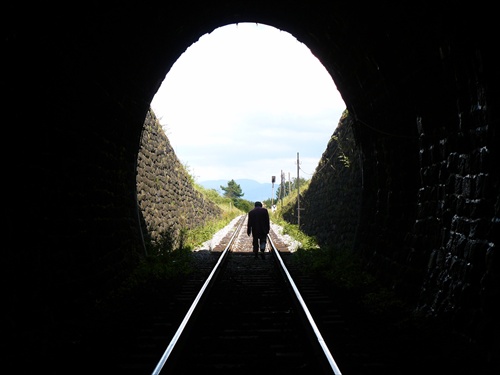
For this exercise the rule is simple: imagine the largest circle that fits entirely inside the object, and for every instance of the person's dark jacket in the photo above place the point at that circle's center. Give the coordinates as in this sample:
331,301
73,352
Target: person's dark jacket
258,222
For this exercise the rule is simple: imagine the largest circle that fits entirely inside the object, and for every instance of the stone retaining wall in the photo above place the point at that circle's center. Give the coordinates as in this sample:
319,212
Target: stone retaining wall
168,201
329,208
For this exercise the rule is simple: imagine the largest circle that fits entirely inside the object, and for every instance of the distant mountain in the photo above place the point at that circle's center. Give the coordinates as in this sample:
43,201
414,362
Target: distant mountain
252,190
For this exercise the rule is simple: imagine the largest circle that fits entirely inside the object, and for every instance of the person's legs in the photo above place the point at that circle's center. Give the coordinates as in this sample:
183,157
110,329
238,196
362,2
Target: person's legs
262,243
255,245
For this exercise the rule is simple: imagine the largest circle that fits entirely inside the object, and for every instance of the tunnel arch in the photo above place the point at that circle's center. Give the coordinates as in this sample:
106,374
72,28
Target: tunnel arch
422,72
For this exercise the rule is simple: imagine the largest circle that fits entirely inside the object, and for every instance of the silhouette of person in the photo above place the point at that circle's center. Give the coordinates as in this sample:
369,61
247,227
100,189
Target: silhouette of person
258,226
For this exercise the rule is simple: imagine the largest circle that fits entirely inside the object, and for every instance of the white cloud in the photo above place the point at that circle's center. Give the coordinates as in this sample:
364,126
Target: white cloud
243,100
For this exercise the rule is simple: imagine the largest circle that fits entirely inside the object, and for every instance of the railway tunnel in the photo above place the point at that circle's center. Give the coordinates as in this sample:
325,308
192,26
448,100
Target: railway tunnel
420,81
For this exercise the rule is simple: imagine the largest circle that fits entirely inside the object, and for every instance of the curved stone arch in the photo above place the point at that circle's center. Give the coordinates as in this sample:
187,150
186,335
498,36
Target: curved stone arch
420,81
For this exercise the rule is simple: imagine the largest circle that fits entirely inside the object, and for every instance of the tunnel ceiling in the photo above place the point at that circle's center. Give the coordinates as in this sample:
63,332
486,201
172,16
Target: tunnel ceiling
371,49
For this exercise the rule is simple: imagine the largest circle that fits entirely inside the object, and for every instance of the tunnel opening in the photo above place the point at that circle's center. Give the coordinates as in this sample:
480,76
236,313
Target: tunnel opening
237,104
241,101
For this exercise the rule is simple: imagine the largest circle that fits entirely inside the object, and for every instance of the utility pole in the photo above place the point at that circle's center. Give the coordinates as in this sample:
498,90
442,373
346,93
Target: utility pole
298,193
282,187
289,184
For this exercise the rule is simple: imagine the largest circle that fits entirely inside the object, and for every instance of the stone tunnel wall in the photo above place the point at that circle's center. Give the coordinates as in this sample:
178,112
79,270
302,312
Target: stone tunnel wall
429,232
168,201
456,231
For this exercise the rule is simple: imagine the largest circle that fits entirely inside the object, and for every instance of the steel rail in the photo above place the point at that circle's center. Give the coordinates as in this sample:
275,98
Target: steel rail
319,337
188,315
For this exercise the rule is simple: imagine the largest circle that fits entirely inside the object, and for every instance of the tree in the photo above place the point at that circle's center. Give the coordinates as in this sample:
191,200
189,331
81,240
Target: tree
243,204
232,190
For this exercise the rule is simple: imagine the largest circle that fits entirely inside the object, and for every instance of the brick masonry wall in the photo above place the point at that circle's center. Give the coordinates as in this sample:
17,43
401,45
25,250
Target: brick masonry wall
458,223
165,192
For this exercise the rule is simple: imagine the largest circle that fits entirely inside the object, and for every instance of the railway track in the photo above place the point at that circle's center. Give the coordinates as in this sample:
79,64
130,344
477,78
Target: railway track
248,322
247,318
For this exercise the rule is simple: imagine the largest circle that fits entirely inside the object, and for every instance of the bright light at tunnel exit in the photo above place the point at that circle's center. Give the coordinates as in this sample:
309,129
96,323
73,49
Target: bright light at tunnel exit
243,101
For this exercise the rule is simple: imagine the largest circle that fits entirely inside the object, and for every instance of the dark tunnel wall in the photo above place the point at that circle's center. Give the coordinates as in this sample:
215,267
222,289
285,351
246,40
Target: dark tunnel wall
420,80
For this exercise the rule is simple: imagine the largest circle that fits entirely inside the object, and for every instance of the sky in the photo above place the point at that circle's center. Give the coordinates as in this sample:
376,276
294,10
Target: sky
243,101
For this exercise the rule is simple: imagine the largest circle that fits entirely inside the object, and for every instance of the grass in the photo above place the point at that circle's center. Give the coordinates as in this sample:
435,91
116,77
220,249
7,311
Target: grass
340,270
169,261
337,269
197,236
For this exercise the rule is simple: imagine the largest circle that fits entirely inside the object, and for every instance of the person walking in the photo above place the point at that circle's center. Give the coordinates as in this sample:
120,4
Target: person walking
258,226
